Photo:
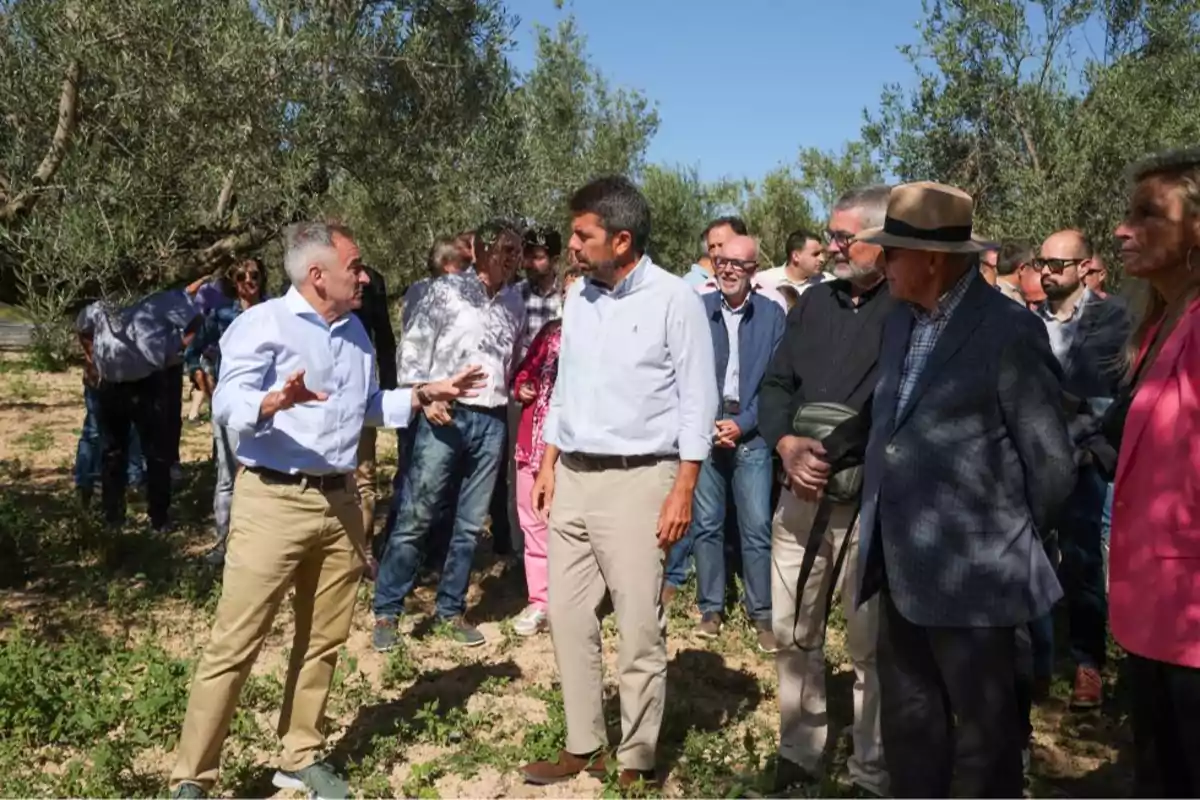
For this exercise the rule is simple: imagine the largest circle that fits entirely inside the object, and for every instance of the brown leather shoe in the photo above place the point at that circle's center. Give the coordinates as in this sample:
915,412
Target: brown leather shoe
631,778
668,595
1089,688
567,766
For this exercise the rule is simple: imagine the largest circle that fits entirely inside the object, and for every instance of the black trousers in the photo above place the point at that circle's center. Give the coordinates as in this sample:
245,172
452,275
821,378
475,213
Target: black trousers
174,400
948,708
145,404
1166,728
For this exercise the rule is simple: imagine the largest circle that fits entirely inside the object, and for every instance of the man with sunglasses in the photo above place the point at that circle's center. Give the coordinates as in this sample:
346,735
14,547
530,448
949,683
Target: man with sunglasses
1087,335
829,354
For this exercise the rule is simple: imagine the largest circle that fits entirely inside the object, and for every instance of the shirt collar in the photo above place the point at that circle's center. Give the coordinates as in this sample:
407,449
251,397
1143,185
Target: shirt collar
627,284
1045,313
842,291
948,301
296,303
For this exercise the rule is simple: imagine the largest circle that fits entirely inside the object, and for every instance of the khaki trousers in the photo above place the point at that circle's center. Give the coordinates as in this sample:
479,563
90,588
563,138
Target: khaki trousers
603,535
804,725
278,533
365,481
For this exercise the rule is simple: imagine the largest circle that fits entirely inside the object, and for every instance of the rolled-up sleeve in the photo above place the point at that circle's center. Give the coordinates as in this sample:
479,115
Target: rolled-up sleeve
689,343
247,370
387,408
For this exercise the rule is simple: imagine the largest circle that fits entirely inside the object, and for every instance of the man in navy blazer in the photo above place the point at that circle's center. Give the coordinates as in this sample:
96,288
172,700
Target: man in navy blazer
746,328
968,459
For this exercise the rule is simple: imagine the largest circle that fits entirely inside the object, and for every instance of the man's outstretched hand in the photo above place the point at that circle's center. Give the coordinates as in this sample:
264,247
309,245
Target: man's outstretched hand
293,392
464,384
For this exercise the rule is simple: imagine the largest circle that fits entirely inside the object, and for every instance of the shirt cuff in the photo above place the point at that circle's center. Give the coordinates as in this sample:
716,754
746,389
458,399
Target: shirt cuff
397,408
691,449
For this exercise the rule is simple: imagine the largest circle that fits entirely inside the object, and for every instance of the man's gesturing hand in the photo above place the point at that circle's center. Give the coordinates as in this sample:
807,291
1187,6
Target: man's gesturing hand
803,461
463,384
292,393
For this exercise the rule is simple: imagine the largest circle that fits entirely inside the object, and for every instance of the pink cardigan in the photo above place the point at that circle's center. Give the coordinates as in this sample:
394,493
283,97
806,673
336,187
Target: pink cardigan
1154,562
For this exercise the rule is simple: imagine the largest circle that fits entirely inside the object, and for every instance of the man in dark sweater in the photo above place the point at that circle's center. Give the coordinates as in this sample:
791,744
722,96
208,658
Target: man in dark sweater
376,318
829,353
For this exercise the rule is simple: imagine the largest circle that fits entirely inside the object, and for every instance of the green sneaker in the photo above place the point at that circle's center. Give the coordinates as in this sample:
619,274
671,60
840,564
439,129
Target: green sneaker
318,780
188,791
466,635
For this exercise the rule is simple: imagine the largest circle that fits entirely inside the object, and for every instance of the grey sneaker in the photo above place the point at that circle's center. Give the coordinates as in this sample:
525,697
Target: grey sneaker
710,625
188,791
318,780
386,634
766,638
464,634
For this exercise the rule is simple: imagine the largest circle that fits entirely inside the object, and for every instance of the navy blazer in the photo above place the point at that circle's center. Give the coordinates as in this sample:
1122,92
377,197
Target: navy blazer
759,333
958,486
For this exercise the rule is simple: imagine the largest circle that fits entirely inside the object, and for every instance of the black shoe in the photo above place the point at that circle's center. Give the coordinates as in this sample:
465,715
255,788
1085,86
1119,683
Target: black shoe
788,775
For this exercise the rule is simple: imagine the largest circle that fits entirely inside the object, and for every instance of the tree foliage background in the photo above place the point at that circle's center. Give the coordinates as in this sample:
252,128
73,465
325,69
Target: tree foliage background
144,142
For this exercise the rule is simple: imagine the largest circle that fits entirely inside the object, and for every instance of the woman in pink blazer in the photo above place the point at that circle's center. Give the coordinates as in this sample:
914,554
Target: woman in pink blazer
1154,603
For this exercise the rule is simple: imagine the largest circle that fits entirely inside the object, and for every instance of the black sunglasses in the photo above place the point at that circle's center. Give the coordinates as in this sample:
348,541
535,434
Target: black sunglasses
1056,265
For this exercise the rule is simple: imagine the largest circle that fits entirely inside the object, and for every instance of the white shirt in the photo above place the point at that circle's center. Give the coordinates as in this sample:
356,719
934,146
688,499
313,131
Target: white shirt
733,321
635,369
262,348
756,283
777,276
454,323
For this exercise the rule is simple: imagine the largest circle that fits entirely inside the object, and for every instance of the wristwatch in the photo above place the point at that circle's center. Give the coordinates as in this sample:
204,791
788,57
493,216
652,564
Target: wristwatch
422,397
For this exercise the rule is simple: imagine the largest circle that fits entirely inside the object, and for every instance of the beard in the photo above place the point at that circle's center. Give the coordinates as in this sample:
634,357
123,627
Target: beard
1056,291
849,271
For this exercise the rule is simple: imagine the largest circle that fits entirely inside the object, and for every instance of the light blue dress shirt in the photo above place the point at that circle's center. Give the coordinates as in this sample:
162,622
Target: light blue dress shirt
733,321
696,276
269,342
132,343
635,370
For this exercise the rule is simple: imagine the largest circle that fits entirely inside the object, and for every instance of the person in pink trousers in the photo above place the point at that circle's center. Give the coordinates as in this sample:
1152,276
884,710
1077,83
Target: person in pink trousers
533,384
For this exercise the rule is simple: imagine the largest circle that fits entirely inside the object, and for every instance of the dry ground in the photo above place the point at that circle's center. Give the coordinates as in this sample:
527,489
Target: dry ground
100,632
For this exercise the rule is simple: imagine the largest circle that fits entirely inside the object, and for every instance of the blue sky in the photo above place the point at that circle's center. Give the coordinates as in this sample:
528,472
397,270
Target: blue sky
799,72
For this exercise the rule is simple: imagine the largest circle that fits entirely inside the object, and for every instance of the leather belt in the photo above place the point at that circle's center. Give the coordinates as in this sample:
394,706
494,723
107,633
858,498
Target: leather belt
339,481
589,462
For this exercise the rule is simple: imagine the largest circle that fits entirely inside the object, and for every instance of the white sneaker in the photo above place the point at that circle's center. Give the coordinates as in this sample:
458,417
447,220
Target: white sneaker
531,621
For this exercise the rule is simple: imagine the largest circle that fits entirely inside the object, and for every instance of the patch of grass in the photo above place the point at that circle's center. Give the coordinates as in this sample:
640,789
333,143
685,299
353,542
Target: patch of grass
36,439
543,740
20,389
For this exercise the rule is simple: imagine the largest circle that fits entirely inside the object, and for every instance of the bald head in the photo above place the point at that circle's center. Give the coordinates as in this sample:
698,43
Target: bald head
1065,258
1067,244
740,248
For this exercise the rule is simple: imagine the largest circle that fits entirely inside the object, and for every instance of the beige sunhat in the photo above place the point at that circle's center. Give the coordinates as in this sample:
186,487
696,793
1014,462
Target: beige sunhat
927,216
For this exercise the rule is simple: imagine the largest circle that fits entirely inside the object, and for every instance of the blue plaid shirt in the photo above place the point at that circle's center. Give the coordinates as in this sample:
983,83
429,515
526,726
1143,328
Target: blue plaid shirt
926,330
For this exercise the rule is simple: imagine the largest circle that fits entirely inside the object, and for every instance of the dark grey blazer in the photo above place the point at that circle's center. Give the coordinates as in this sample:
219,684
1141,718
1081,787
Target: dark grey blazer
956,489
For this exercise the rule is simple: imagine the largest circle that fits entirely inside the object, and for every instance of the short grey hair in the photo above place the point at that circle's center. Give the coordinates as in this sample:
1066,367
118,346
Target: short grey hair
870,202
301,240
1181,165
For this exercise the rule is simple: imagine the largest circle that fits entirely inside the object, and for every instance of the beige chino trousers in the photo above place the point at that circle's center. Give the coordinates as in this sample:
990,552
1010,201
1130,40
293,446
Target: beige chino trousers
279,533
604,536
365,479
804,724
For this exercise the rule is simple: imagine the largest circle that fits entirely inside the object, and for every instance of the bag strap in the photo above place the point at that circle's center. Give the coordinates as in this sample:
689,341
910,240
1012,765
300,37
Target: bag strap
816,536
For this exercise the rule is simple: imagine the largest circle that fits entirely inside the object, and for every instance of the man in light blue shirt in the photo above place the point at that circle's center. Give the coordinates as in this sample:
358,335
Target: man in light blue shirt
131,355
297,384
631,420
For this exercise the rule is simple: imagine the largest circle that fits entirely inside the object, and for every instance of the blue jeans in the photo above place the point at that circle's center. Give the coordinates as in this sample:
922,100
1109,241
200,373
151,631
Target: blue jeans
1082,568
88,451
225,442
462,457
675,572
747,473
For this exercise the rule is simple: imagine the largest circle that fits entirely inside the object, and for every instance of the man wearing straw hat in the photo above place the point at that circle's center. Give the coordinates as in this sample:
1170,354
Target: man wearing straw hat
967,460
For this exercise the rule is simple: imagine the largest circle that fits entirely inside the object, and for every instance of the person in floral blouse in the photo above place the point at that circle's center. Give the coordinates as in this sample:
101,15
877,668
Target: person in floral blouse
533,384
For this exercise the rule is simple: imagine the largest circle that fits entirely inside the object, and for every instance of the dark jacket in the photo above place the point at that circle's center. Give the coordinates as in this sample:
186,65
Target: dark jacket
376,318
956,489
759,333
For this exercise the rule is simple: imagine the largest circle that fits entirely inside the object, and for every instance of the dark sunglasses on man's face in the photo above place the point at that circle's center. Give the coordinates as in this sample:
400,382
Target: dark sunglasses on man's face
246,277
736,264
1056,265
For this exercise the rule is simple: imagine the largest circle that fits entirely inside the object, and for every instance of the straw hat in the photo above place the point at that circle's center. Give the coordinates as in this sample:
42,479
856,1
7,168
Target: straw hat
927,216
